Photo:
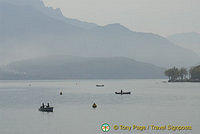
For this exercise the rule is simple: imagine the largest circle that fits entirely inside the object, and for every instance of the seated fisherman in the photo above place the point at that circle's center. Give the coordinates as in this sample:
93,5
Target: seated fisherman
42,105
47,104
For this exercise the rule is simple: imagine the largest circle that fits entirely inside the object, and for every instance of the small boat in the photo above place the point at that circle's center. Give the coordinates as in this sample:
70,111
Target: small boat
100,85
44,108
122,92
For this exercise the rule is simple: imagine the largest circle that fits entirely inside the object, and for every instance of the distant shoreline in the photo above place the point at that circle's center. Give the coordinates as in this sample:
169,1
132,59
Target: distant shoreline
184,81
84,79
183,74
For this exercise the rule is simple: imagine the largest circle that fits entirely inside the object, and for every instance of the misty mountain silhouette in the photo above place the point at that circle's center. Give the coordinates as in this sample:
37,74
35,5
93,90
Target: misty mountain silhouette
29,30
187,40
65,67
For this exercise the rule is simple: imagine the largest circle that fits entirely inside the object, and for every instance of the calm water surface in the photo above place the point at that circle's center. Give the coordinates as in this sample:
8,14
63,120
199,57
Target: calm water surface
152,102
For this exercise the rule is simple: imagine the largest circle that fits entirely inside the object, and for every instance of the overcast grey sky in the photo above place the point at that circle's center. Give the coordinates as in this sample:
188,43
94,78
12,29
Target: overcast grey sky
158,16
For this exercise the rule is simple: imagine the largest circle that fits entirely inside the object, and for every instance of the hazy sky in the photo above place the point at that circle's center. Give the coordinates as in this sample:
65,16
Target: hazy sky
158,16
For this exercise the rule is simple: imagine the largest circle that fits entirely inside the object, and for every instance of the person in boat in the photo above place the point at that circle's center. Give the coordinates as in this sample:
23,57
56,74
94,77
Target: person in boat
121,91
42,105
47,105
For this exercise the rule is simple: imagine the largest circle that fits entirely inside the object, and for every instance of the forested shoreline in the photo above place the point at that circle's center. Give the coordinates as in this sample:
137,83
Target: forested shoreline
183,74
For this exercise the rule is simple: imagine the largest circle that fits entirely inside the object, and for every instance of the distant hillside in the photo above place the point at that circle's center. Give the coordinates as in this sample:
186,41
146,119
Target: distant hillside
10,75
187,40
68,67
29,29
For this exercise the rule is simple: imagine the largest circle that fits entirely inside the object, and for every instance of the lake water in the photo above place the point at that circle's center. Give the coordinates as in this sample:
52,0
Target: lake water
152,102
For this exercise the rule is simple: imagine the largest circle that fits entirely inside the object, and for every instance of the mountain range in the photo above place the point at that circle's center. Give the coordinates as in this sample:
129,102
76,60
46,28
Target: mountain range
187,40
29,29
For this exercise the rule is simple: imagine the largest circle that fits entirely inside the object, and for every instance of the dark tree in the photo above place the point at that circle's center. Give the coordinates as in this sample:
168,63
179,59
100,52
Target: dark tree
195,73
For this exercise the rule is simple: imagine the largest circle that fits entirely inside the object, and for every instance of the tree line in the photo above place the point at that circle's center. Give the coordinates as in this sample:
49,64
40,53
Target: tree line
182,74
